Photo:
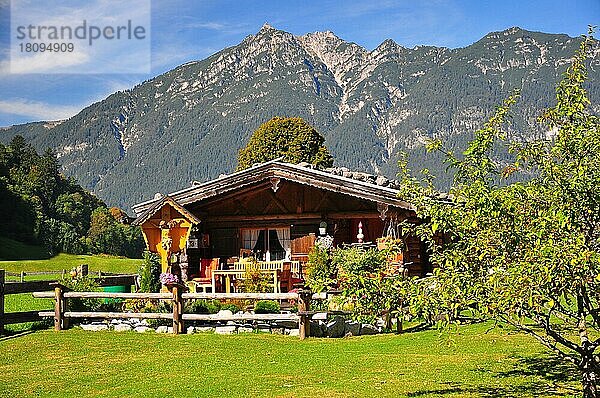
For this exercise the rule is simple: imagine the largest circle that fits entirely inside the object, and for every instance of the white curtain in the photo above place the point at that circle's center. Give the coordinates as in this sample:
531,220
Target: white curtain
249,237
283,234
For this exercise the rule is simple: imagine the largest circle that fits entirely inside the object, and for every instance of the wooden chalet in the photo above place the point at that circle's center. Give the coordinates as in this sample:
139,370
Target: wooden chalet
274,211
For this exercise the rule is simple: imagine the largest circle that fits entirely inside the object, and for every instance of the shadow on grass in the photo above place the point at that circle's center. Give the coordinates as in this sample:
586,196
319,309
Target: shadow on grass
554,378
12,250
29,327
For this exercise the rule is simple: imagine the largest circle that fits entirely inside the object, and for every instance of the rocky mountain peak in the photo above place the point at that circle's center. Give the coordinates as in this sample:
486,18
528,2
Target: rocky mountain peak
189,123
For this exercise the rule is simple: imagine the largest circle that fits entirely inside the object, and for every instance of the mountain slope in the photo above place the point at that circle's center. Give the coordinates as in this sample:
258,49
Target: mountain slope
188,123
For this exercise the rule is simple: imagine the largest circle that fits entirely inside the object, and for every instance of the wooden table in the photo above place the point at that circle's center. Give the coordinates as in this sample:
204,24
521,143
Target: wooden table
237,274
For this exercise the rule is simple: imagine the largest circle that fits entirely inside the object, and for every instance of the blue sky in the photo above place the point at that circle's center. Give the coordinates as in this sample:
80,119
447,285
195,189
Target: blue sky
184,30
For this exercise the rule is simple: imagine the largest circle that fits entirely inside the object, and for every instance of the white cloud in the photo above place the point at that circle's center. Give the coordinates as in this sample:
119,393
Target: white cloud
38,110
124,55
45,62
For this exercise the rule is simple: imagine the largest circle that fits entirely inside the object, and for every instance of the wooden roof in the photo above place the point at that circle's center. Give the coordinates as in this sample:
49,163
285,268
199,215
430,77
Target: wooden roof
158,204
274,170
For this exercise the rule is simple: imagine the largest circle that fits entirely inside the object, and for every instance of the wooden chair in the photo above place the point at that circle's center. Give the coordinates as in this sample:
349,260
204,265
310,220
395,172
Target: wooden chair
205,281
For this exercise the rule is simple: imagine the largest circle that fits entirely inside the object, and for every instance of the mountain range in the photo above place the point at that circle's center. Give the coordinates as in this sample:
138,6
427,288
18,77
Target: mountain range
188,123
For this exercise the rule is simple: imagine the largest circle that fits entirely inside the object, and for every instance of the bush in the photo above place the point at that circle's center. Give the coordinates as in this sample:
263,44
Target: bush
231,307
149,273
266,307
255,281
84,283
367,290
203,307
320,271
162,307
357,261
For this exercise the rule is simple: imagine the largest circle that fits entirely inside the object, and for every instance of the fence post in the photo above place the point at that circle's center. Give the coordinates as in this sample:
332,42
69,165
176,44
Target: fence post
82,269
2,274
177,309
303,308
59,306
22,276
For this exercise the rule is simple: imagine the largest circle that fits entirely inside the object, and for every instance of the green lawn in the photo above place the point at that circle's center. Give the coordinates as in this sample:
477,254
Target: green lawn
25,302
473,363
68,261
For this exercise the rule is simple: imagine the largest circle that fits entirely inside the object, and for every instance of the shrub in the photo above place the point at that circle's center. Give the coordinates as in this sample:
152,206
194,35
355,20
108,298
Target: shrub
161,307
320,271
366,289
231,307
266,307
149,273
357,261
84,283
203,306
254,280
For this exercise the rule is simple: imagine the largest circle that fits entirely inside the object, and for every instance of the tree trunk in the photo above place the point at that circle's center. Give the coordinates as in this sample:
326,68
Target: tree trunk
590,371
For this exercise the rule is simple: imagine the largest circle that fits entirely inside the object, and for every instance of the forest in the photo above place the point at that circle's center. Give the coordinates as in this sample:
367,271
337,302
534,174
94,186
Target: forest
42,207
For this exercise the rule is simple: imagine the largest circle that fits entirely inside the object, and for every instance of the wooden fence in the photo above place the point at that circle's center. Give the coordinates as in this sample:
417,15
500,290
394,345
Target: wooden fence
7,288
178,297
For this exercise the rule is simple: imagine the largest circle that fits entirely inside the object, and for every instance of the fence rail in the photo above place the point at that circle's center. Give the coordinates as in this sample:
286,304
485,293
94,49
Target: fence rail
177,297
40,289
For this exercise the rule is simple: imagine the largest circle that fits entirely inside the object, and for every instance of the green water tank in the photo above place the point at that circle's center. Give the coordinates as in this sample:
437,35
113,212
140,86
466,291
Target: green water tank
116,289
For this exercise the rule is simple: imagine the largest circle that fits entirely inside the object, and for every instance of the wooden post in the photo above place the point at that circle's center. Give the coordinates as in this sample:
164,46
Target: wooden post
82,269
2,274
22,276
58,307
400,318
177,310
303,308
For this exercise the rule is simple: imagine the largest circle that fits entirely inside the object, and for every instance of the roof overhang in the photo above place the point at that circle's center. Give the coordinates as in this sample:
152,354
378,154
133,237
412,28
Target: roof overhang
284,171
158,204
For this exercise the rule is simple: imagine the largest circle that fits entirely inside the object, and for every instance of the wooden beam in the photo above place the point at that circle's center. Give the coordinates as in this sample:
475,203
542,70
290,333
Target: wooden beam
293,216
278,202
240,296
240,194
300,197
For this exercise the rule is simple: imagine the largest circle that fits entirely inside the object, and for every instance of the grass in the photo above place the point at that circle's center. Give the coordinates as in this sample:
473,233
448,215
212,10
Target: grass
25,302
13,250
472,363
68,261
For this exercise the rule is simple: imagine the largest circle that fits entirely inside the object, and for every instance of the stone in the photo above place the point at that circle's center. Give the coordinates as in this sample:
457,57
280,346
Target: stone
263,328
224,314
94,327
115,321
382,181
143,329
277,330
205,329
122,327
352,328
285,324
245,329
292,332
335,327
191,330
319,316
315,329
162,329
231,323
367,329
225,329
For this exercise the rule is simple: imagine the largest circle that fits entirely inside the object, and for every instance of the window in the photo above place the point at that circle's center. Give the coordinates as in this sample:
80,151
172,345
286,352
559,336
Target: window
268,244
